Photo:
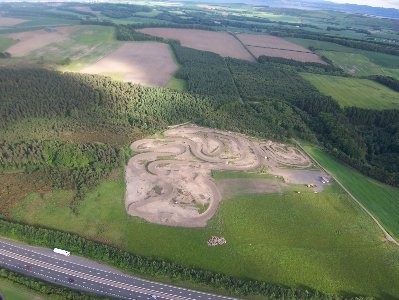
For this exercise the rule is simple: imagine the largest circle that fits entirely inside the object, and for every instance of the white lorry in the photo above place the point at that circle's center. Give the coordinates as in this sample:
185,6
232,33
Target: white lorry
63,252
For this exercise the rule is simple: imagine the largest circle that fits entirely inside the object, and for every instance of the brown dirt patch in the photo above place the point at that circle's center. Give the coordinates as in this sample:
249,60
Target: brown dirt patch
273,46
221,43
29,41
147,63
16,186
5,22
169,180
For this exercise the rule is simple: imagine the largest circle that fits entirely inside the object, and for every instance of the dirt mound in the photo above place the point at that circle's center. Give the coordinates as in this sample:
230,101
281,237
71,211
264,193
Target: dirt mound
169,180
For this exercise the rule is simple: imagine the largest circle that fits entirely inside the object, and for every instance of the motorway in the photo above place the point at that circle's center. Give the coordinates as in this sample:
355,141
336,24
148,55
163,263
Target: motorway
86,275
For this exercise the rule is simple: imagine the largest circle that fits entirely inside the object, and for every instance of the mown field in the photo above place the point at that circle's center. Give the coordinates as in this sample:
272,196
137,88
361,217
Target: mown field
14,291
319,240
354,91
354,61
381,200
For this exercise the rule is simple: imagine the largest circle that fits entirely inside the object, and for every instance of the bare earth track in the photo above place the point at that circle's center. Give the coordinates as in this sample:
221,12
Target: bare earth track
169,182
221,43
147,63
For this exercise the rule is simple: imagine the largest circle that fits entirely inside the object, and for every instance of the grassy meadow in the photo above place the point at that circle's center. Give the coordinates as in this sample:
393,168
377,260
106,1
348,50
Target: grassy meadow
381,200
358,92
354,61
322,240
14,291
5,43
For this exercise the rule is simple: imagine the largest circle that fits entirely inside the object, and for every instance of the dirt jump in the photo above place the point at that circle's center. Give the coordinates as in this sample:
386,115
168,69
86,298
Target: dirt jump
169,181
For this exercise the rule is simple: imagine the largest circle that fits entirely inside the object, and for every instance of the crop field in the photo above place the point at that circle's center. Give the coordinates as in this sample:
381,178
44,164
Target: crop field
6,22
381,200
29,41
354,61
147,63
323,240
221,43
355,92
277,47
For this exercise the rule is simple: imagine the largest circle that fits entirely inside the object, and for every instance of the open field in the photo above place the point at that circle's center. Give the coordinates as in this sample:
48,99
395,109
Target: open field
354,61
381,200
170,177
6,22
221,43
323,240
277,47
355,92
29,41
14,291
6,43
147,63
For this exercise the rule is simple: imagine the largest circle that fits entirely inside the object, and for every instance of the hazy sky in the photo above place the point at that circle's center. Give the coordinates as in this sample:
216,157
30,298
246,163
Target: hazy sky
378,3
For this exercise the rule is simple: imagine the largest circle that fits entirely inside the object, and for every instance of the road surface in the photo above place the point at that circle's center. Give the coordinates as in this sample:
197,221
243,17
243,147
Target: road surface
86,275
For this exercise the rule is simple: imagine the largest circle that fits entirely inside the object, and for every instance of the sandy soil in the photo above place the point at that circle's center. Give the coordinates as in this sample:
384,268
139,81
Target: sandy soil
5,22
29,41
221,43
273,46
146,63
169,182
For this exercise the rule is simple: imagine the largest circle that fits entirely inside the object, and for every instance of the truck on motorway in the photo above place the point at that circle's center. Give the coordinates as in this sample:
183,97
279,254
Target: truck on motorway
63,252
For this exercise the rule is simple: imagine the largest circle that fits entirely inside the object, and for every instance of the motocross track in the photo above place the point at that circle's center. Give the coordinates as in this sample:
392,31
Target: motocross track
169,181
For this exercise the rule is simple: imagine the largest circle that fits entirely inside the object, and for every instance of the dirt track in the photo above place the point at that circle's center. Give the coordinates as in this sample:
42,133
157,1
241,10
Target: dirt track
169,182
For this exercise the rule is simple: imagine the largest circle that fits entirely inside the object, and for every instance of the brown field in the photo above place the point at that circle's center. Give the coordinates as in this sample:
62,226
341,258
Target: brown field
29,41
221,43
5,22
299,56
169,180
147,63
269,45
269,41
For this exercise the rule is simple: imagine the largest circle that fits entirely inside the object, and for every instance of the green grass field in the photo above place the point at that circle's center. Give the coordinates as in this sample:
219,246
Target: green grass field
354,91
5,43
14,291
319,240
354,61
381,200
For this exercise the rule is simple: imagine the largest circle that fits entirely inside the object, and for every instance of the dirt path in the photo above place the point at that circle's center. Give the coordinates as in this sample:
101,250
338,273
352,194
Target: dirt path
386,234
169,182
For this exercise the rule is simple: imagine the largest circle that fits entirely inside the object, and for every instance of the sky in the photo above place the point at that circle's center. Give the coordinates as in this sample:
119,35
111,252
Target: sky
378,3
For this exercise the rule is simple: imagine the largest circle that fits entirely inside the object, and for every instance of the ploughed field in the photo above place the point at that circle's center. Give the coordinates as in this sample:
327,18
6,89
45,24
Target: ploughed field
269,45
147,63
169,180
6,22
218,42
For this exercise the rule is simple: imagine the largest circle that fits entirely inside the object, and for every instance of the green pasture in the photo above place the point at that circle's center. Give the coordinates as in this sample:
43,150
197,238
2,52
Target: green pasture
5,43
362,93
380,199
14,291
322,240
354,61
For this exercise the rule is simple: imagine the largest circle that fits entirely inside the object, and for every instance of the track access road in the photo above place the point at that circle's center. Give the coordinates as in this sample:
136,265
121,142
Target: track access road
86,275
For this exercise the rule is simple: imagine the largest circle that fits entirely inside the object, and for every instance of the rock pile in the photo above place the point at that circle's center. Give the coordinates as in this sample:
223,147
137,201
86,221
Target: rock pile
216,241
